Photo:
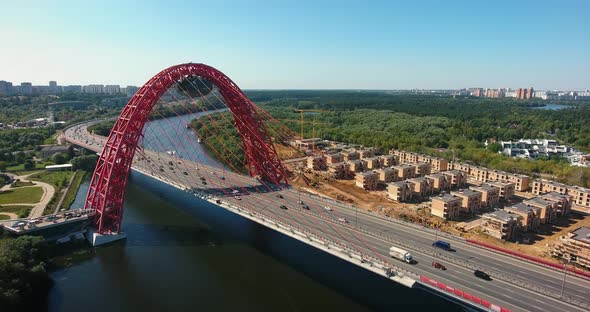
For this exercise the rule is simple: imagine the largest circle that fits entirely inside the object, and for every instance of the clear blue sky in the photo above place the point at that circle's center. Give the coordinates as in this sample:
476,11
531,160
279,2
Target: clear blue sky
302,44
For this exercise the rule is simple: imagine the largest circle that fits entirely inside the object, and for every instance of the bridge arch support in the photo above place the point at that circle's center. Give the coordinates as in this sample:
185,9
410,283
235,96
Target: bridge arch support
107,187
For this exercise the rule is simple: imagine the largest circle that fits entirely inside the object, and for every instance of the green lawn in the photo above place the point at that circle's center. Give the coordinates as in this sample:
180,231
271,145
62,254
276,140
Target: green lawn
4,217
58,179
21,167
21,195
73,190
22,211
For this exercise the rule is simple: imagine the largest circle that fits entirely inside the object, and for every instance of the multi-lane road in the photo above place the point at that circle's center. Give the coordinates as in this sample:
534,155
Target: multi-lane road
515,284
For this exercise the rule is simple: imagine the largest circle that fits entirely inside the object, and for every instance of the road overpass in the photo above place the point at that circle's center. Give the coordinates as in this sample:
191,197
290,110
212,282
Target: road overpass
516,285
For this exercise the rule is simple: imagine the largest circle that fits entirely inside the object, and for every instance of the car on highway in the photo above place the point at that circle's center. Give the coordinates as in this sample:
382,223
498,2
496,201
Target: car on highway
328,208
222,178
238,198
280,196
482,275
300,202
439,265
343,220
283,207
306,207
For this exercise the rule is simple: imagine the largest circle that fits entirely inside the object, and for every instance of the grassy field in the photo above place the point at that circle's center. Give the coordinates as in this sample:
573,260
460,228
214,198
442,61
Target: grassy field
21,210
58,179
4,217
21,167
21,195
73,190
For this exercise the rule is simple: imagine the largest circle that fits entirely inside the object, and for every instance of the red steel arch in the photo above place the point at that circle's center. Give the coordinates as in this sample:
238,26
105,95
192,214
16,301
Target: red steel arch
107,187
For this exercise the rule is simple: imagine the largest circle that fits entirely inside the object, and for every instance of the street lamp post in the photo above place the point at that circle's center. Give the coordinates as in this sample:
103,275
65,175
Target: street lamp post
564,275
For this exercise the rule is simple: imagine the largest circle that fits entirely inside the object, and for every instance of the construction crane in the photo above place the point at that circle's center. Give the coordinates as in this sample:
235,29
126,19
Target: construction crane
303,111
313,123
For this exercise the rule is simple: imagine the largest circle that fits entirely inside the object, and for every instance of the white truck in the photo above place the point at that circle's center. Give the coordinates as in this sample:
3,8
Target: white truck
400,254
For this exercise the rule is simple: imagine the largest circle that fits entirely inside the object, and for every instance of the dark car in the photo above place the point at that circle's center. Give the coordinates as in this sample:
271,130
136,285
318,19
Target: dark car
439,266
283,207
280,196
482,275
306,207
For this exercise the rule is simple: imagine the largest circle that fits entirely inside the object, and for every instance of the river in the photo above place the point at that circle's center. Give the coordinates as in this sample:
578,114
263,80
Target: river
185,254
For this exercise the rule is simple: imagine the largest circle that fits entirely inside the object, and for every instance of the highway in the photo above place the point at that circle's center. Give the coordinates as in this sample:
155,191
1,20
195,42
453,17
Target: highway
515,284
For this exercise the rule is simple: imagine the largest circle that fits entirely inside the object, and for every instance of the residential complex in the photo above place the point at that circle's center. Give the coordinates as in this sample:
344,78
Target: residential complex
501,225
574,247
27,88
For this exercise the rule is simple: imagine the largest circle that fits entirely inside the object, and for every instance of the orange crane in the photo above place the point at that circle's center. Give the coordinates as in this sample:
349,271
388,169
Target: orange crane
303,111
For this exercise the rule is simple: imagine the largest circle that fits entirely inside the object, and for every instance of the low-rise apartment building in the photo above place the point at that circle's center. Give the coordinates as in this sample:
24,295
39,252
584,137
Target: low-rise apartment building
368,153
580,195
490,195
334,158
422,169
439,182
387,160
548,208
355,165
446,206
506,189
350,155
399,191
455,177
366,180
337,170
564,202
574,247
386,174
405,171
501,225
316,163
470,200
421,187
530,216
372,163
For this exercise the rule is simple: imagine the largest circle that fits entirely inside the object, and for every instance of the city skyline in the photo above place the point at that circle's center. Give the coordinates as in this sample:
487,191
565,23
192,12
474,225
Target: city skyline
333,45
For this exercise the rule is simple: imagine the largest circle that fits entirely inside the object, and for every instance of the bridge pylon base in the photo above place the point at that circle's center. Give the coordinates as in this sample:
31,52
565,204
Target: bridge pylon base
97,239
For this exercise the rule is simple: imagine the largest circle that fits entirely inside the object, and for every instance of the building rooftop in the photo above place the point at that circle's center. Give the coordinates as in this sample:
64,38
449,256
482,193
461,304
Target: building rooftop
521,207
398,183
446,198
465,192
55,148
484,187
403,166
555,195
538,201
502,215
367,173
581,234
454,171
435,176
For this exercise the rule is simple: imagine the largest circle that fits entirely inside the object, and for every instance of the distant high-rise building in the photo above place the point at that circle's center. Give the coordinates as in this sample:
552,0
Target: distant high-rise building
530,93
93,89
5,87
72,89
26,88
131,90
523,94
53,84
492,93
112,89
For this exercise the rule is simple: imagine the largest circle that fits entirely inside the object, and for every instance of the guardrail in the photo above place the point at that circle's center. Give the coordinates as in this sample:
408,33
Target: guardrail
577,272
462,294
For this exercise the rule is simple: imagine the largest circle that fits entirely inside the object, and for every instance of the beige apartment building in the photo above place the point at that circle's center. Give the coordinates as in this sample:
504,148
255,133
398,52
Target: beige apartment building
334,158
422,169
405,171
399,191
387,160
548,208
337,170
386,174
367,153
437,164
372,163
490,195
564,202
421,187
574,247
470,200
439,182
348,156
316,163
501,225
580,195
506,189
367,180
355,166
455,177
530,216
446,206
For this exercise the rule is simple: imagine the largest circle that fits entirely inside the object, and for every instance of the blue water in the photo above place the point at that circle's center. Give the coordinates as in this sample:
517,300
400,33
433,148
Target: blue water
553,107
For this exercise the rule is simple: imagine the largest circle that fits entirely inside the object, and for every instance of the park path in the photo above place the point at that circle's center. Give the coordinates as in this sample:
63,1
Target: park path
38,208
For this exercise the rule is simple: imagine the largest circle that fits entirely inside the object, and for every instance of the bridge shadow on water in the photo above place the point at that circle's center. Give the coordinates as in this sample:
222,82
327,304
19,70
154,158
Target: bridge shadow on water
220,226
